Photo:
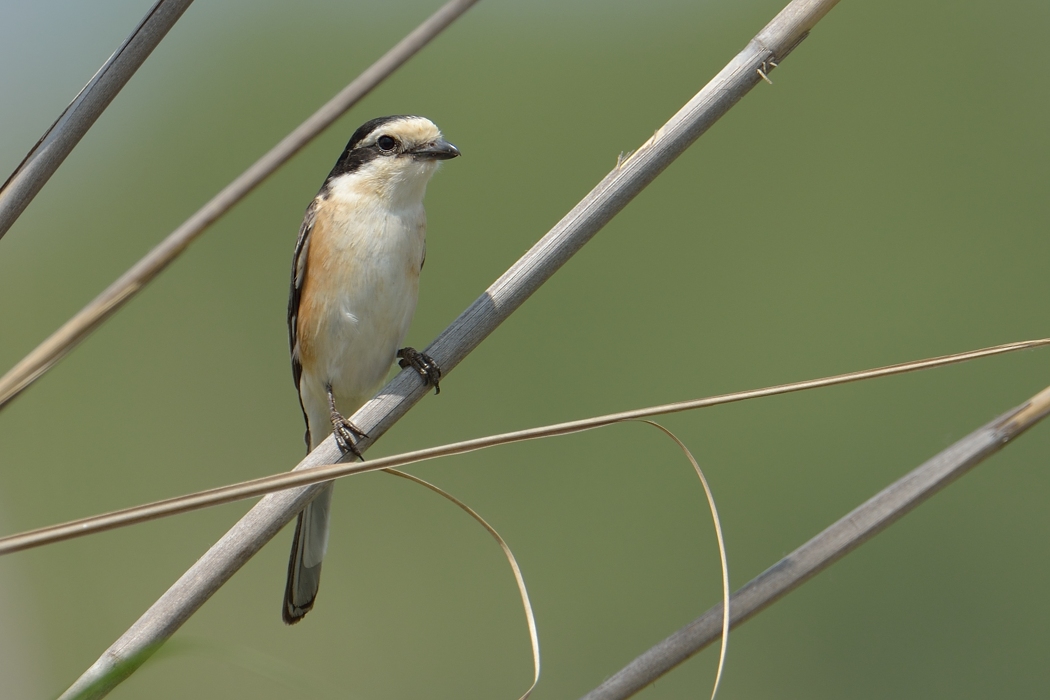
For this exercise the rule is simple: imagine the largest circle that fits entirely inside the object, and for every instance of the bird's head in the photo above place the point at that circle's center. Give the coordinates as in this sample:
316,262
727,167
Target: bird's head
391,157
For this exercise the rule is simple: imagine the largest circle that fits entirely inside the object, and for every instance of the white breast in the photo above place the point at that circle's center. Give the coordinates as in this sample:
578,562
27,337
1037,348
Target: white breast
369,256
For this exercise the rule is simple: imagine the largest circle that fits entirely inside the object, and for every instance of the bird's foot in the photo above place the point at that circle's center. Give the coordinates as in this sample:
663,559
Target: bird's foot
423,364
346,435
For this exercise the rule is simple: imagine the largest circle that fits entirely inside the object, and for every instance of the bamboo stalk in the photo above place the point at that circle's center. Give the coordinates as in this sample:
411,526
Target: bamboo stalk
62,137
62,341
849,532
277,482
503,297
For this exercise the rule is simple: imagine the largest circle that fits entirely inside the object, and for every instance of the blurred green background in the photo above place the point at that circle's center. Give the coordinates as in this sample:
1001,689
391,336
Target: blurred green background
884,201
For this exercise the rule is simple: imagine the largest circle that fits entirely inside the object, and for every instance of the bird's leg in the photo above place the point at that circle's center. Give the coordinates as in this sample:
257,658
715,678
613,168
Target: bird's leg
422,363
346,433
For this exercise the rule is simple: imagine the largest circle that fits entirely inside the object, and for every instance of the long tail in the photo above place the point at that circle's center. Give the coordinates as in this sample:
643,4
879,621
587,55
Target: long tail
304,564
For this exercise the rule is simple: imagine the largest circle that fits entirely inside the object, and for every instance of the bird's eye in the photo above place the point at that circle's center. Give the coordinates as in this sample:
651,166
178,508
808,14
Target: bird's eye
386,143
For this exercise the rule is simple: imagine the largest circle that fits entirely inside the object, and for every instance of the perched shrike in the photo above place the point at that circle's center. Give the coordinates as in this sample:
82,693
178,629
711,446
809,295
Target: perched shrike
355,280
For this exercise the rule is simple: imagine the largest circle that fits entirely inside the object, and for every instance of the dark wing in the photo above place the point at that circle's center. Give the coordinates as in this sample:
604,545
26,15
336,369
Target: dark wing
302,246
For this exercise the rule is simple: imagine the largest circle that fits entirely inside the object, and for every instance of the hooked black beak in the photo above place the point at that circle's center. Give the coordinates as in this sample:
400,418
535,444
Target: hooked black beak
437,150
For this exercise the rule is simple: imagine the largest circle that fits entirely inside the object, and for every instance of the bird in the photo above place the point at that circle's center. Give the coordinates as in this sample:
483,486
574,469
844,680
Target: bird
355,282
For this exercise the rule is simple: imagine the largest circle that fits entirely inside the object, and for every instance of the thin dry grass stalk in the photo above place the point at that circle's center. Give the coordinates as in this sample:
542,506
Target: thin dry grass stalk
501,299
76,329
519,578
852,530
285,480
62,137
722,556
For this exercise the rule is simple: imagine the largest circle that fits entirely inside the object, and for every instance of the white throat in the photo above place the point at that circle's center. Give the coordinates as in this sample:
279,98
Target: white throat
396,182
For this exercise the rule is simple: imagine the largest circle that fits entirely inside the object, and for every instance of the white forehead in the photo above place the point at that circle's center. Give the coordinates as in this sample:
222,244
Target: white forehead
409,130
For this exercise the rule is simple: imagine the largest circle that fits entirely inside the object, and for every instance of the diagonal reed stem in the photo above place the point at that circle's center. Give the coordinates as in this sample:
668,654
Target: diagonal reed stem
277,482
503,297
849,532
62,137
76,329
